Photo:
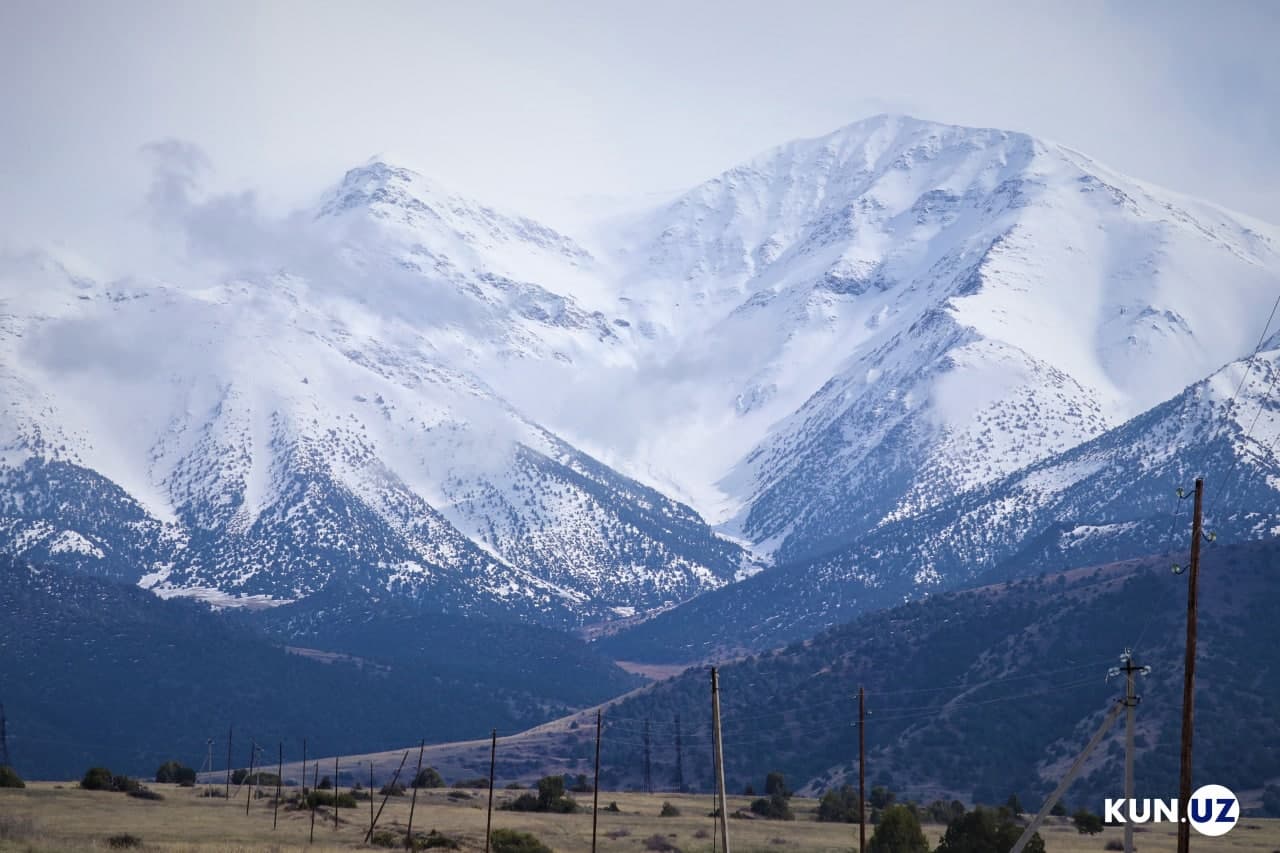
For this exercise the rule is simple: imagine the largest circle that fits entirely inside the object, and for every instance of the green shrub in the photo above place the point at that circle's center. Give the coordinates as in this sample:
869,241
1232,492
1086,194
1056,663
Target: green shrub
438,840
123,841
1086,822
669,810
175,772
459,795
395,789
428,777
97,779
9,778
775,807
478,782
898,832
325,798
839,805
514,841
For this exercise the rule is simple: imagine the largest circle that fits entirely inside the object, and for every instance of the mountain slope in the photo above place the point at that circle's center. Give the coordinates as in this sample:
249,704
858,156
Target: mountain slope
162,676
263,436
1110,498
900,311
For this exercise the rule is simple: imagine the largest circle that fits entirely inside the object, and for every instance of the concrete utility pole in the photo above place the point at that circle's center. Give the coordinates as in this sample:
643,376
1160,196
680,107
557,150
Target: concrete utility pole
719,750
1189,673
1130,670
1107,722
862,770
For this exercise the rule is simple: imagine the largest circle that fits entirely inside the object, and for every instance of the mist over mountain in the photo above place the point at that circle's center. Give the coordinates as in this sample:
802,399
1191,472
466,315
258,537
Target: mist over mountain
852,370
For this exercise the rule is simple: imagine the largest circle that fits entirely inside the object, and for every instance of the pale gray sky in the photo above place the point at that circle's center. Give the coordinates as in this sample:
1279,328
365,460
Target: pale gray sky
525,103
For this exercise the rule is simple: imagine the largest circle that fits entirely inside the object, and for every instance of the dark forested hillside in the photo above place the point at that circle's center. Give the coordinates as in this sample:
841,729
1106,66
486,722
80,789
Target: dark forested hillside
981,693
96,672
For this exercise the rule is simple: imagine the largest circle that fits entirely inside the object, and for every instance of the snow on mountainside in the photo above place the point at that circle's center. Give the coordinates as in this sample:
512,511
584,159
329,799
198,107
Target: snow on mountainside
901,310
1114,497
267,436
851,338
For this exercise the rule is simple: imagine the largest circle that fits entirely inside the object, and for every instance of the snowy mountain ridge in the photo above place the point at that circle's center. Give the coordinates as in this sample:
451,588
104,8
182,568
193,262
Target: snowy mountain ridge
433,398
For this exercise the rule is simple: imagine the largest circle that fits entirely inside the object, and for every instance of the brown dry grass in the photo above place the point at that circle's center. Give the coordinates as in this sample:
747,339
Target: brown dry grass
46,817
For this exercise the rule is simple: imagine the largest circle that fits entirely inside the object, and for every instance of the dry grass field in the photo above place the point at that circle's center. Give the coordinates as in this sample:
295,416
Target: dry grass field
47,817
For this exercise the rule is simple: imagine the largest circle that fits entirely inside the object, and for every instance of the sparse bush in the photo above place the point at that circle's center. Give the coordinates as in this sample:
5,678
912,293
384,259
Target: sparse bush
175,772
142,793
9,778
660,843
514,841
97,779
459,795
324,784
775,807
428,777
1114,844
478,782
775,784
395,789
1059,809
439,840
898,832
1086,822
326,798
612,807
550,798
123,841
617,833
669,810
839,805
982,831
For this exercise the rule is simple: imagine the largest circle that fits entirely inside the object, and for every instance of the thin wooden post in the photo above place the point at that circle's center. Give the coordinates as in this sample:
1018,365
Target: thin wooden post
408,833
370,797
230,731
493,756
385,796
1189,675
253,754
275,813
335,793
315,780
862,770
595,787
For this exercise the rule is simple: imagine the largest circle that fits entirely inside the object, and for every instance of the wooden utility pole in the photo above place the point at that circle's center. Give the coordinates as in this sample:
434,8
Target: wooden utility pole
1189,674
335,793
719,750
230,731
862,770
595,786
275,813
389,788
413,803
370,835
304,767
253,754
315,781
493,759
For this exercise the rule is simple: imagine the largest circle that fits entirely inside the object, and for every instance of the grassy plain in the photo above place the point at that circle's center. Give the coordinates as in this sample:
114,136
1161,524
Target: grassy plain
48,817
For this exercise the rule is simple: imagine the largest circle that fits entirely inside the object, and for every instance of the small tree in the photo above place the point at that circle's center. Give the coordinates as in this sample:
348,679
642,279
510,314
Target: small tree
1059,809
175,772
669,810
428,777
1086,822
881,797
97,779
9,778
1013,804
839,805
898,832
775,807
983,831
776,784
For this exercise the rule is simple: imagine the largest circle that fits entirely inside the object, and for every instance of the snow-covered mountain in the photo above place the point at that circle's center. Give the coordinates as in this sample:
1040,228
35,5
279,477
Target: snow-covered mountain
267,436
866,337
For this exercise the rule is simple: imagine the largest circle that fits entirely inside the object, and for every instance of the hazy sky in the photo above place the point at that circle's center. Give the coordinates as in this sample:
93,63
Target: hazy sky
526,103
